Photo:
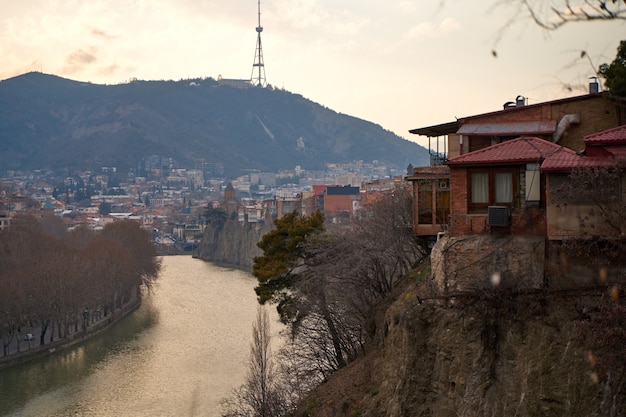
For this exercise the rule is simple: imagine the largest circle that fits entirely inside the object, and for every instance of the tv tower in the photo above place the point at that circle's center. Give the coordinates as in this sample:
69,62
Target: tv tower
258,66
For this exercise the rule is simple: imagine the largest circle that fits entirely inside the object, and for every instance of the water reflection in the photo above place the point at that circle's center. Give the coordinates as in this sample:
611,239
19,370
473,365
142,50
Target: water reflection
178,355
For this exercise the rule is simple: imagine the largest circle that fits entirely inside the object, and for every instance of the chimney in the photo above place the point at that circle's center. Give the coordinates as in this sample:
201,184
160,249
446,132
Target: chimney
593,85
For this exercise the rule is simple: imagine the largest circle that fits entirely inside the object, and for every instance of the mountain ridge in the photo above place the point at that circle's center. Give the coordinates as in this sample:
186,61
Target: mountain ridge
51,122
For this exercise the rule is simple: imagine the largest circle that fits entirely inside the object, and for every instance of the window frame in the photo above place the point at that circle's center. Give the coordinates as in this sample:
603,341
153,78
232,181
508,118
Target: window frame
491,185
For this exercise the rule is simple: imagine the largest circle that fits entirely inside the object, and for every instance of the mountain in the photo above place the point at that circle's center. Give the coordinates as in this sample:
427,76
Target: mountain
51,122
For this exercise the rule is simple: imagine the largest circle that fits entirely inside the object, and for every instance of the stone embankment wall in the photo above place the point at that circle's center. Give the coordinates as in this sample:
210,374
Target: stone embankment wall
95,327
233,243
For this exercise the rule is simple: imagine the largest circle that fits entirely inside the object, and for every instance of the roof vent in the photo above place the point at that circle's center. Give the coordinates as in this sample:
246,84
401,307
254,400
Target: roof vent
520,101
498,216
594,87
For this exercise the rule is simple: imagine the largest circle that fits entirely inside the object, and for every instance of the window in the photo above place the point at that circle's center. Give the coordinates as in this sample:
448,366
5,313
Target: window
439,189
480,187
490,187
504,187
425,202
533,184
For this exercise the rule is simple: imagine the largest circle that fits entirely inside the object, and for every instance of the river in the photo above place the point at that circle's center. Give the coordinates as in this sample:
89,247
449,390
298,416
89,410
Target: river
179,354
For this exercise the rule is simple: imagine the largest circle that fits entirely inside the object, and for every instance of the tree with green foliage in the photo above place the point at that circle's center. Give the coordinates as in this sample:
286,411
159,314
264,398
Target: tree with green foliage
105,208
284,254
215,216
614,73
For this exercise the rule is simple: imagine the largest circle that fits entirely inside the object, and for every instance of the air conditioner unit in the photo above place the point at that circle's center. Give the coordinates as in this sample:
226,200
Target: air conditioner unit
498,216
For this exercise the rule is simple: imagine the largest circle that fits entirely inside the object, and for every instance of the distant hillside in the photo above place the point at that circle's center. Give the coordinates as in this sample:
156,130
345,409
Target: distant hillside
52,122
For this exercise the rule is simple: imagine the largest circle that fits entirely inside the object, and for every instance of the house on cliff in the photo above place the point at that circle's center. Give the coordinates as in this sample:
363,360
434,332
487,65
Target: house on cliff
564,122
513,205
493,188
523,187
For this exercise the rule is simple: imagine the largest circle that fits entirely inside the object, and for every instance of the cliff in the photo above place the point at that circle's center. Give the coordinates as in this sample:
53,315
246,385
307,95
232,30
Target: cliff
485,352
232,243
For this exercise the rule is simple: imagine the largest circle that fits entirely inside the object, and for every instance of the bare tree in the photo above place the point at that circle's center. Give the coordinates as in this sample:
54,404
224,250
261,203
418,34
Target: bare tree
554,14
344,273
262,394
551,15
47,281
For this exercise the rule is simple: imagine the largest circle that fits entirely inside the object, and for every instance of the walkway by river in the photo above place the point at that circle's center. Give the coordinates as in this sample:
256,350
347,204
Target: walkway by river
178,355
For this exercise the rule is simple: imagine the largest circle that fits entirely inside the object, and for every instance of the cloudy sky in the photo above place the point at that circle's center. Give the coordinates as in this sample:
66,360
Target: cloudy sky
398,63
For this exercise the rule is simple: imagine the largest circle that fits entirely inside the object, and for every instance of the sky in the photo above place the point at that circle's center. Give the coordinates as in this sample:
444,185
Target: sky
402,64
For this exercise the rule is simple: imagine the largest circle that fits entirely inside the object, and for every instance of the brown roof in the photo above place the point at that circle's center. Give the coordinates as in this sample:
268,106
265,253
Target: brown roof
533,127
515,151
437,130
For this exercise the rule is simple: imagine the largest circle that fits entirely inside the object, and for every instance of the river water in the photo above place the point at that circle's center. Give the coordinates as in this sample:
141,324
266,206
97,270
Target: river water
179,354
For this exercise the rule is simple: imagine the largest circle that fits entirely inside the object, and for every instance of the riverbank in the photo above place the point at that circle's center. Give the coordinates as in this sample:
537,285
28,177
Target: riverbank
158,361
98,325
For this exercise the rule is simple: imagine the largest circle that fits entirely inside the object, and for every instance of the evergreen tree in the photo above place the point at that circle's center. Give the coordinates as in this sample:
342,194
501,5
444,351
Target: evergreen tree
614,73
284,252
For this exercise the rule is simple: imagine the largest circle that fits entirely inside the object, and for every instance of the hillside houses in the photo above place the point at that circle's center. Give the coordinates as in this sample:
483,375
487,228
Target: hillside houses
171,202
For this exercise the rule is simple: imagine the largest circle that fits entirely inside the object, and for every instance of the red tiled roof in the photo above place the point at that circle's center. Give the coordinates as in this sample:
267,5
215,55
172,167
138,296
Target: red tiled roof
515,151
562,160
566,165
598,155
319,188
614,136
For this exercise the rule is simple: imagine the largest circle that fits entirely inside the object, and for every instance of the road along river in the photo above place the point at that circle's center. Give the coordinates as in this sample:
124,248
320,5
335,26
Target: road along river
179,354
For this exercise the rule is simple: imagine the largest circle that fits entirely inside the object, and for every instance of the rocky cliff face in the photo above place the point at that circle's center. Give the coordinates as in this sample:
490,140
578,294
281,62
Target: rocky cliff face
471,263
232,243
491,352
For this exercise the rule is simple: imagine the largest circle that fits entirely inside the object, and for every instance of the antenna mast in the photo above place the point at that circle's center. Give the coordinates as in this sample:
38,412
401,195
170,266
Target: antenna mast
258,66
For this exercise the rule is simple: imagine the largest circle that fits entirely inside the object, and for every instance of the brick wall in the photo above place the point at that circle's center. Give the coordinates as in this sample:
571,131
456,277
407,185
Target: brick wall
458,191
334,204
596,112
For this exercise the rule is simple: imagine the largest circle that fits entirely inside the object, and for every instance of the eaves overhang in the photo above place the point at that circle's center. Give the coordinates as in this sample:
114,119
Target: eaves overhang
437,130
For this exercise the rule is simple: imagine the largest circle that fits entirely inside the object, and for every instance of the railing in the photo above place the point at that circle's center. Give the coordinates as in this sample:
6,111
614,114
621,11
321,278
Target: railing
437,159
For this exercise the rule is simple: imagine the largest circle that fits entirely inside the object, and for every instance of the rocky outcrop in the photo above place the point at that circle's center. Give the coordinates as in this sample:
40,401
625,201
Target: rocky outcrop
445,347
232,243
471,263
